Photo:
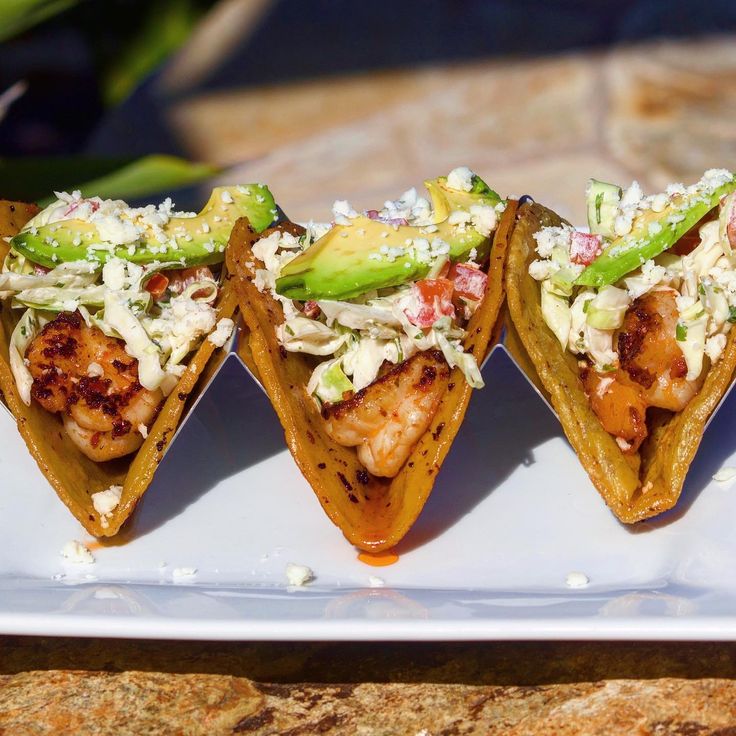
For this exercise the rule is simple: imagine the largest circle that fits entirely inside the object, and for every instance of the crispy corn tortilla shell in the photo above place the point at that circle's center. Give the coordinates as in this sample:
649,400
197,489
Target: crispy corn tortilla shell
373,513
74,476
635,486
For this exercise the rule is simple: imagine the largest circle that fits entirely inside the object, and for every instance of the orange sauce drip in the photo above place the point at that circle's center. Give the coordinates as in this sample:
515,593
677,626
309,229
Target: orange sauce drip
378,559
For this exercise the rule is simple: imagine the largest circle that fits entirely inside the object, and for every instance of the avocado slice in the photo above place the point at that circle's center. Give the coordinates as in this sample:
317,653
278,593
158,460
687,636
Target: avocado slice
652,234
350,260
188,241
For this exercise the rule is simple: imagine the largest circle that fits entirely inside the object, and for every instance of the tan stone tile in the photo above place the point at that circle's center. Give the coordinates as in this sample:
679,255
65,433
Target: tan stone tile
672,107
79,703
429,116
505,111
225,127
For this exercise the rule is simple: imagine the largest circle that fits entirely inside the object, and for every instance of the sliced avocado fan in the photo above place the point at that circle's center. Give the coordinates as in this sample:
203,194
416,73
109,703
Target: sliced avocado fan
181,242
368,254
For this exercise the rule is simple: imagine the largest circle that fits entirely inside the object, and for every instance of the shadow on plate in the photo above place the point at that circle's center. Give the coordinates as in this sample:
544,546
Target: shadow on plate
232,428
715,449
505,422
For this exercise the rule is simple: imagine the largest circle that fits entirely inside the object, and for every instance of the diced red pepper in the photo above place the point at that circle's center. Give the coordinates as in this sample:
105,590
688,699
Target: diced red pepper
433,300
470,282
311,309
156,285
585,248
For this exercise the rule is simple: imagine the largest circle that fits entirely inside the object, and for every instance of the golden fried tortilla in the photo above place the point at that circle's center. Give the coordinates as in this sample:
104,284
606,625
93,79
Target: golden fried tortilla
73,475
373,513
634,486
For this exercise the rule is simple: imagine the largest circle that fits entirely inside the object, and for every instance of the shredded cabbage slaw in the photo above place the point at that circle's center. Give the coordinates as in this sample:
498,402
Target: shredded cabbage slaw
584,320
159,334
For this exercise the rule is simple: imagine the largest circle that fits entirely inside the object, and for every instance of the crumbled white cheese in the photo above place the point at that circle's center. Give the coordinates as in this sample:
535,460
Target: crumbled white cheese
714,347
342,212
179,573
484,219
658,202
143,430
623,444
226,197
77,553
94,370
113,274
298,575
459,217
222,332
461,179
548,238
725,475
713,179
541,270
632,200
105,502
116,230
576,580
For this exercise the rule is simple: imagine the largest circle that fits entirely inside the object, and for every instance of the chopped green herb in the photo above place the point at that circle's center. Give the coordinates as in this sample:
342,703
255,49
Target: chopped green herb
289,330
701,289
681,332
732,315
598,204
586,305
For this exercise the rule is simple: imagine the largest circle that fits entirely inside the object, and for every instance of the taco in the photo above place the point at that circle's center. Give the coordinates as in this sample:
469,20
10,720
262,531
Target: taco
368,336
109,314
628,329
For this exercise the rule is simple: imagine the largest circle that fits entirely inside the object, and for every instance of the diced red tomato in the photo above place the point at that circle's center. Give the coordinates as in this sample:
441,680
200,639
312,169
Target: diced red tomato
156,285
311,309
469,282
433,300
585,248
180,279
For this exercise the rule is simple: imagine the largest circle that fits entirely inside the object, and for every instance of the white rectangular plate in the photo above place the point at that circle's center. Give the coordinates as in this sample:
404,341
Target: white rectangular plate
511,515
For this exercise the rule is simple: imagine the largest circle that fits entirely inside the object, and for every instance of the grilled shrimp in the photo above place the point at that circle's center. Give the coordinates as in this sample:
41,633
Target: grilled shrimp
386,419
649,354
620,407
651,371
79,371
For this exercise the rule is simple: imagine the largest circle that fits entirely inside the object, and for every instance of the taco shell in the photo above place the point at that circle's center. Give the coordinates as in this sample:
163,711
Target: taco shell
637,486
373,513
74,476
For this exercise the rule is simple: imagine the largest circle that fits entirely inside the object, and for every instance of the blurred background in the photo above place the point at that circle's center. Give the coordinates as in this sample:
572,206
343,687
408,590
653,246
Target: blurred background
326,99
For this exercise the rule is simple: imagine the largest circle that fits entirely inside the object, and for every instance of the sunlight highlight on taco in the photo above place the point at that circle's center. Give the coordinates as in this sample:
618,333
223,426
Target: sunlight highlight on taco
628,327
368,336
109,316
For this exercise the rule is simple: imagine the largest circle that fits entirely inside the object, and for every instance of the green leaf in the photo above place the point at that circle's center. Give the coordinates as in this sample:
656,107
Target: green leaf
160,32
681,332
146,176
18,15
32,180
